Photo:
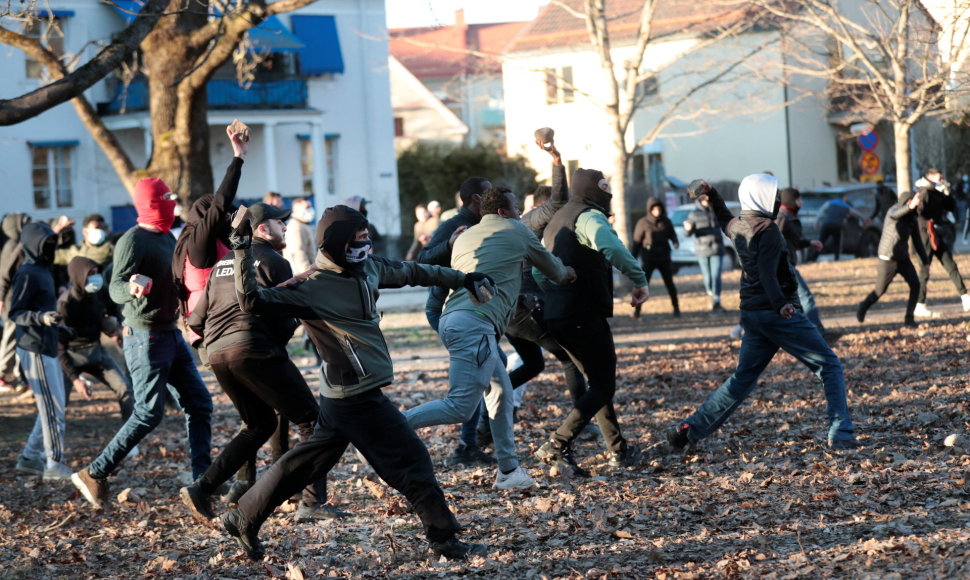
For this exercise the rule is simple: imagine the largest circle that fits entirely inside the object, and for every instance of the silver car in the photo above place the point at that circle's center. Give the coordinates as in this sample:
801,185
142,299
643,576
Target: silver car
684,255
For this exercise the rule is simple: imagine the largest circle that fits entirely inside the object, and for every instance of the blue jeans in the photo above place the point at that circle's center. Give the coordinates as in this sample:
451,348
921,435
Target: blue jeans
156,358
475,369
807,299
711,272
765,331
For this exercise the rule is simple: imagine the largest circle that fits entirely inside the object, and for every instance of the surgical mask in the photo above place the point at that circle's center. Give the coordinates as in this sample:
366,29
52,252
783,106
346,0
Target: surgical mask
95,283
357,251
306,216
95,236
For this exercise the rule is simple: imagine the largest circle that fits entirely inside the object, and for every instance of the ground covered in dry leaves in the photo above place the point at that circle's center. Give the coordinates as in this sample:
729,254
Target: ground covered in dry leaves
761,498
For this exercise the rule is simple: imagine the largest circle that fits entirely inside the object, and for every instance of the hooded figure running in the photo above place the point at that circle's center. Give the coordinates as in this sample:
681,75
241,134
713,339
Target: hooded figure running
770,314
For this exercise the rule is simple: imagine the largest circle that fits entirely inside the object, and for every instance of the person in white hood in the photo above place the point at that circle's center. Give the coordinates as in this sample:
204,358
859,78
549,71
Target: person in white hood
771,315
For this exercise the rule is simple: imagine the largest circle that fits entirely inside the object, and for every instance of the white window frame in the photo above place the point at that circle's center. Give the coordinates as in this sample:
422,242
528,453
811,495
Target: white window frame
59,167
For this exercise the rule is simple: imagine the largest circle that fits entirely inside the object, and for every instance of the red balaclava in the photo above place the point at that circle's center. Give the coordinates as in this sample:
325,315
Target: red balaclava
152,207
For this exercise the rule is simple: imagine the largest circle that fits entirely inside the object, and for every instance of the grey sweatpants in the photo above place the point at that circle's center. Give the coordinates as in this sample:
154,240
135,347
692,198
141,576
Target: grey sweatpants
43,374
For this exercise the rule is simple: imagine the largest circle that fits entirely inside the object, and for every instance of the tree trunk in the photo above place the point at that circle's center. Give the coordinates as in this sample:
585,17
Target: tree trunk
618,185
904,179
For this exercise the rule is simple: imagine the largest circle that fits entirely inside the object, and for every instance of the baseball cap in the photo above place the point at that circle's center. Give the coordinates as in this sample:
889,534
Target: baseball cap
260,212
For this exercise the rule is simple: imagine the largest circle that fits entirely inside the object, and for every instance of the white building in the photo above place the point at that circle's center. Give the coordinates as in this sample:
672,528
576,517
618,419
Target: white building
736,126
321,119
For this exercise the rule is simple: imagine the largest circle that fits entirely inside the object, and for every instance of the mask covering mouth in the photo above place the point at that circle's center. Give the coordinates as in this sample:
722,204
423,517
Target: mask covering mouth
95,283
95,236
357,252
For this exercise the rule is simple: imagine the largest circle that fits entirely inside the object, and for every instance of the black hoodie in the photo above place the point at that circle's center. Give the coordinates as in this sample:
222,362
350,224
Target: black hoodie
653,235
33,291
88,316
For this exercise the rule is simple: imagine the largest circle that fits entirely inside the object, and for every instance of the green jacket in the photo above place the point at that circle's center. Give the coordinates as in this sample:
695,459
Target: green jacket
338,310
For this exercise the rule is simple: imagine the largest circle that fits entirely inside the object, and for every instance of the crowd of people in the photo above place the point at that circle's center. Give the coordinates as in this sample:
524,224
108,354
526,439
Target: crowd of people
235,285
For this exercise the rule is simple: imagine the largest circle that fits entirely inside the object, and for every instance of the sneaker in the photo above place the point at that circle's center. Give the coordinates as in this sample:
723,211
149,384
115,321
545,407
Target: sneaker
923,312
860,312
562,460
57,472
844,444
316,513
483,434
31,466
93,489
517,479
736,332
465,454
965,300
716,307
198,502
238,489
910,323
245,534
455,549
627,456
677,436
676,313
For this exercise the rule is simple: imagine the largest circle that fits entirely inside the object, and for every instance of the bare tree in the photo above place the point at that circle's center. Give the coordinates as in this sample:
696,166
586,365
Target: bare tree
883,60
625,95
179,55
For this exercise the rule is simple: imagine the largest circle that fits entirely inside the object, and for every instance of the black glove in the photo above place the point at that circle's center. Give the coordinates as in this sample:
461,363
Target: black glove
241,236
697,188
65,333
51,318
481,286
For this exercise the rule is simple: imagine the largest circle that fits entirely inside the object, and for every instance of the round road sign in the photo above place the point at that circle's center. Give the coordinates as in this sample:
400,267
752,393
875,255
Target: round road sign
868,141
869,162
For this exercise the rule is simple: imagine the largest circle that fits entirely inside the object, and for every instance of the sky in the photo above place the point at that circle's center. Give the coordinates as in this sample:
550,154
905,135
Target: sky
413,13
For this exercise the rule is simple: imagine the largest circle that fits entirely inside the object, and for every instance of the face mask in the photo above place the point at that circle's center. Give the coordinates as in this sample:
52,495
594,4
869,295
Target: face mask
307,215
95,236
95,283
357,251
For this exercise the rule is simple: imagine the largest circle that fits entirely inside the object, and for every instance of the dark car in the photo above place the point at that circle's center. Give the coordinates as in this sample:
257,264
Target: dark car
858,237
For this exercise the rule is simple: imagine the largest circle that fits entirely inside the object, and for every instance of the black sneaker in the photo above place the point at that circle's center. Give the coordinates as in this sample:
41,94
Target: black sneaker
860,312
455,549
677,436
465,454
910,323
244,533
238,489
627,456
844,444
198,502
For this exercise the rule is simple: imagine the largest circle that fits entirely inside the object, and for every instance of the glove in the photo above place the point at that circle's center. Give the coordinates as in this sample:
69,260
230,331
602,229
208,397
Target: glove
481,286
697,188
50,318
241,236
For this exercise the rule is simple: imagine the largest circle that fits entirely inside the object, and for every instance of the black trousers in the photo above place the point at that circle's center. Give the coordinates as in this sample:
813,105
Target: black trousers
886,271
260,385
666,269
945,255
834,232
589,342
380,432
528,337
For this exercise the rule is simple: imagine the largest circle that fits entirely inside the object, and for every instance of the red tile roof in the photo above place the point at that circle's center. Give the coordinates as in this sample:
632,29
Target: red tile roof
555,27
447,51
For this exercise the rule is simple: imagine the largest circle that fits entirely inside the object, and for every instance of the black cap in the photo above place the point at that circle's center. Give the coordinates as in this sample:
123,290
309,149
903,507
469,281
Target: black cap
260,212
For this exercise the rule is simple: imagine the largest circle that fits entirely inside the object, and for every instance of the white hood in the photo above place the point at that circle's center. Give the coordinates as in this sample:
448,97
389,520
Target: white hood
757,192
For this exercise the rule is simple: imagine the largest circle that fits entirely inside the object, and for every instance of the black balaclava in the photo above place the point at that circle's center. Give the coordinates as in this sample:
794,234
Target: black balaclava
590,186
337,227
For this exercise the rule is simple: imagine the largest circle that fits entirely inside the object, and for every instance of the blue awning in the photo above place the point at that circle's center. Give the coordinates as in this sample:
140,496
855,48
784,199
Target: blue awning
322,54
128,9
272,36
63,143
45,13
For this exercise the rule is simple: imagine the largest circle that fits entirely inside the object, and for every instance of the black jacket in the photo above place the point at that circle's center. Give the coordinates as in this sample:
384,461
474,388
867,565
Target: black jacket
88,315
437,252
33,291
708,240
12,255
901,226
538,218
791,230
220,321
653,236
934,208
767,276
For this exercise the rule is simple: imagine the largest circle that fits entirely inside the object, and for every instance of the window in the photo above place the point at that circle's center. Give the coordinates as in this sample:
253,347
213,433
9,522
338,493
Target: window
330,145
53,185
647,90
398,126
559,85
49,30
306,164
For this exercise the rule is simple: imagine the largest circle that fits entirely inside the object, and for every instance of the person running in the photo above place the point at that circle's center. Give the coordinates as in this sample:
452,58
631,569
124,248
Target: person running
652,238
248,356
791,229
336,304
155,351
938,236
771,316
901,225
576,314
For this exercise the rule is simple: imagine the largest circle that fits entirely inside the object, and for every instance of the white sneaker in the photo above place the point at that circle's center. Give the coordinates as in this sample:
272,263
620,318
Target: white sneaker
736,332
518,479
965,299
923,312
57,472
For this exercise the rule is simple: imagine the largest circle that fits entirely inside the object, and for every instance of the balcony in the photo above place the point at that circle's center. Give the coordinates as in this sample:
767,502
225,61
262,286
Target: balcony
290,93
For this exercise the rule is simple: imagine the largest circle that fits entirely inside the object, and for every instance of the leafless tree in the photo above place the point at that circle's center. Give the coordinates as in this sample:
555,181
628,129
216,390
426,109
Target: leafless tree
882,60
178,56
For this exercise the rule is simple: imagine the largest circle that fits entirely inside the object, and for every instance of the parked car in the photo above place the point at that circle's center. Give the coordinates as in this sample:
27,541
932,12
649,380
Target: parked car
858,238
684,255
